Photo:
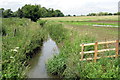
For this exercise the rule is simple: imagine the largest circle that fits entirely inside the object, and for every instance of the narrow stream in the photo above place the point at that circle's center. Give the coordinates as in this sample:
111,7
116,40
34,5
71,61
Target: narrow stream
38,68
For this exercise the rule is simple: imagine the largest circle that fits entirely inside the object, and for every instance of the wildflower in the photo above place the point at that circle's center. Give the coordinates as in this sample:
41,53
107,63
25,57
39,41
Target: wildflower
17,48
11,57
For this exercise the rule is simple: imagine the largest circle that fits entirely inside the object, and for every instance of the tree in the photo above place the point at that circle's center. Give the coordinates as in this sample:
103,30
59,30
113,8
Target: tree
7,13
43,12
19,13
118,13
2,10
31,11
74,15
110,14
92,14
58,13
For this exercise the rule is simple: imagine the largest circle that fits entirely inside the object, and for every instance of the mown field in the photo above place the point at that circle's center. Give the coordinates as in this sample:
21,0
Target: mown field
84,18
69,36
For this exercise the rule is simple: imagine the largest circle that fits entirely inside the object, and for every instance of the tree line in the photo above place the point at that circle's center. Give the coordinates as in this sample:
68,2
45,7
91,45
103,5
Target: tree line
34,12
103,14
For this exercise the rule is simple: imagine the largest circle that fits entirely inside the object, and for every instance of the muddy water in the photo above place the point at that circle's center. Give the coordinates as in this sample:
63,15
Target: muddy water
38,68
105,26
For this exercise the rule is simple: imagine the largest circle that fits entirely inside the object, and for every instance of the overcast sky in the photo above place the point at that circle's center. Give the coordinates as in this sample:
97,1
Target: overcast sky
77,7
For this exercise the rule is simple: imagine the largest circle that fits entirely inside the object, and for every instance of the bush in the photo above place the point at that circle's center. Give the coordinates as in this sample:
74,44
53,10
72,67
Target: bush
41,22
56,31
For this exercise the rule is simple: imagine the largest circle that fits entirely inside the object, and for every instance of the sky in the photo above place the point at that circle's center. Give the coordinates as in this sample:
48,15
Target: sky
77,7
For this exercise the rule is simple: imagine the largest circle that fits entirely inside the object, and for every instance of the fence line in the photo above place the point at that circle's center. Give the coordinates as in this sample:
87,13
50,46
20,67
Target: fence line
96,51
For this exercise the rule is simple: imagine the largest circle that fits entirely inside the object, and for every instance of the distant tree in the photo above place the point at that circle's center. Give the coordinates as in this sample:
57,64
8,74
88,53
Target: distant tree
7,13
110,14
19,13
105,13
34,12
118,13
68,15
74,15
49,12
92,14
58,13
2,10
115,14
31,11
14,14
43,12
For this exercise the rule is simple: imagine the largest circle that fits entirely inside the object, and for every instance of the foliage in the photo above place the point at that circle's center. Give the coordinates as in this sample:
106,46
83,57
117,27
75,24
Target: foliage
56,31
42,22
67,64
21,37
33,12
102,14
7,13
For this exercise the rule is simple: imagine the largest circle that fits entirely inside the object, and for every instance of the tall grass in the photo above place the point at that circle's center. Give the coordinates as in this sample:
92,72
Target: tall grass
20,38
67,63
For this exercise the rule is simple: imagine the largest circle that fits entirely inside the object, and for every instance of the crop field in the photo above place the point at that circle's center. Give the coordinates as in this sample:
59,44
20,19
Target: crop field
84,18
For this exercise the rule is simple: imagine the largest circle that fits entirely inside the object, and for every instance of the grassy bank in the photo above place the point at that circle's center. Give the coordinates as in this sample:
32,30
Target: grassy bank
20,38
67,64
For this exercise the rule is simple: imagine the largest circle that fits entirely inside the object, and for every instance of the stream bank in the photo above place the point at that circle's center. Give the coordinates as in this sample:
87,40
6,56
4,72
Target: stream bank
38,68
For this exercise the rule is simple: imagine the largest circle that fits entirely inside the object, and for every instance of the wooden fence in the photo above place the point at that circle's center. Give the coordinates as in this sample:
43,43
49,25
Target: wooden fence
96,51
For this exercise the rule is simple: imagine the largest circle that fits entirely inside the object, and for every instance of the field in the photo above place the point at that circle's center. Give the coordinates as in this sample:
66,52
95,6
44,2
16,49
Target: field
84,18
86,25
75,31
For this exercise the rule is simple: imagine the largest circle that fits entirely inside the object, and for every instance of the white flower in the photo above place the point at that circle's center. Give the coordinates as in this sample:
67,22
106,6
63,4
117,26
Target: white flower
11,57
17,48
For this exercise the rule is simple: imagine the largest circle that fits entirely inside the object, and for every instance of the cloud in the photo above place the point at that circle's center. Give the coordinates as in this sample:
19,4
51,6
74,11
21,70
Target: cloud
77,7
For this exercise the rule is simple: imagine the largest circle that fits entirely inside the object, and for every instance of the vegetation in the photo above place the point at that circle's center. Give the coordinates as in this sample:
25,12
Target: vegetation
103,14
67,64
84,18
33,12
87,23
21,38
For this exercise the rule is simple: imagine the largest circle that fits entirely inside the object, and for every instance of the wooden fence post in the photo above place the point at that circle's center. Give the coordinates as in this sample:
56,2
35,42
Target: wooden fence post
82,52
116,49
106,45
96,50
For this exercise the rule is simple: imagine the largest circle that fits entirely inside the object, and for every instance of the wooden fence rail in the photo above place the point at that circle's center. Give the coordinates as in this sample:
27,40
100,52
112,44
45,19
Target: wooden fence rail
96,51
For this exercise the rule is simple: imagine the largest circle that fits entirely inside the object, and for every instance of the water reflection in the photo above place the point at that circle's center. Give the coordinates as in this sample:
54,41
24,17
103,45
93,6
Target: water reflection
38,69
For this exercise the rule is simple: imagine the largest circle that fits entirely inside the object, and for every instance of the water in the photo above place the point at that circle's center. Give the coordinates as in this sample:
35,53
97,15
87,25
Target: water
105,26
38,68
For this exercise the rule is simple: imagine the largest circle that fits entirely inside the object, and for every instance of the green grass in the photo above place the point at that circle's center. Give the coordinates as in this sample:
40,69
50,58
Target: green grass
67,64
19,37
91,23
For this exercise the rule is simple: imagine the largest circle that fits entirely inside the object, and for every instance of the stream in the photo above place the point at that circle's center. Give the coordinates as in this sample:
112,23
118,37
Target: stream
38,68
